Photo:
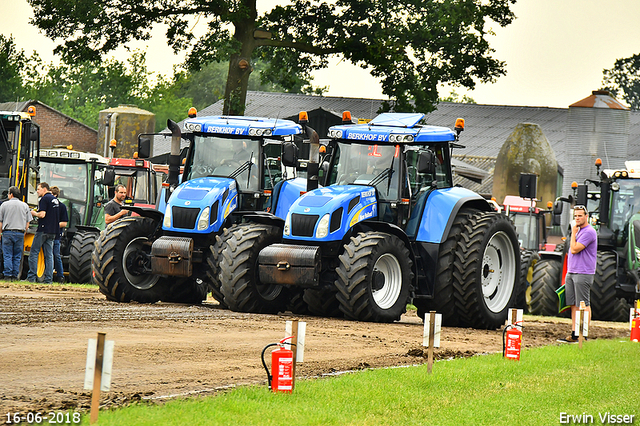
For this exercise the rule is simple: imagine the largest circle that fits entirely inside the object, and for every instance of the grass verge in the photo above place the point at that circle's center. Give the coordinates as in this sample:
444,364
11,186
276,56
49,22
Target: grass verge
600,378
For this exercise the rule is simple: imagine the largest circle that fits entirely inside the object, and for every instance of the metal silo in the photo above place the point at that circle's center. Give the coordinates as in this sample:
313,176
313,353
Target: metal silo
123,124
597,127
526,150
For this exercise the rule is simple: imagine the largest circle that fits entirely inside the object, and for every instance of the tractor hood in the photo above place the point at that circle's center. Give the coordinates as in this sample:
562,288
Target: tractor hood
327,214
201,205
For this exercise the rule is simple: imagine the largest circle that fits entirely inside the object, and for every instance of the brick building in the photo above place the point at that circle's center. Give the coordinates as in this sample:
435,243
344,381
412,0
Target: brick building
57,128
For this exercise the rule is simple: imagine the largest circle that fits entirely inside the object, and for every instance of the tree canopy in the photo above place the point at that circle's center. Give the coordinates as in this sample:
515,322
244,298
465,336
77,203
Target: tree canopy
623,80
411,45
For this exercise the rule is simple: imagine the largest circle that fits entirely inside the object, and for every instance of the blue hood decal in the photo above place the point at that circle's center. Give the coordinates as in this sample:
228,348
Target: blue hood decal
189,200
343,206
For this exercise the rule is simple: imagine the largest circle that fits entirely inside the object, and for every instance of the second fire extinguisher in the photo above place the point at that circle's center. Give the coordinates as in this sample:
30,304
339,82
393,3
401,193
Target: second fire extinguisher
512,341
281,378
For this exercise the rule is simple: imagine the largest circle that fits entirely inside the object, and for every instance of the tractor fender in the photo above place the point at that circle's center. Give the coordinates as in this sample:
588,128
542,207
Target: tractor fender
388,228
440,210
551,255
284,194
263,218
143,212
87,228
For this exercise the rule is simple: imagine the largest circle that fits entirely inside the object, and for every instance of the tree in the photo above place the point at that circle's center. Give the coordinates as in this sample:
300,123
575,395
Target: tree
623,80
411,45
13,69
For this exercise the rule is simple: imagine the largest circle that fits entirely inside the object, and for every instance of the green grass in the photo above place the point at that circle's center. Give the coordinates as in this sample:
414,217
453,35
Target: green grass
52,285
603,376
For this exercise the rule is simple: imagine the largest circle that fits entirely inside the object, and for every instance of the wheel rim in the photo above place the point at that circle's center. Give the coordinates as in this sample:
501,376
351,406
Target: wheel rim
498,272
389,267
269,292
137,280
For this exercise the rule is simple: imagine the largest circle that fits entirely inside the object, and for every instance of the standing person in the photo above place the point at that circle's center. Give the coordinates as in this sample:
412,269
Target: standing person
581,266
48,227
14,221
113,209
64,220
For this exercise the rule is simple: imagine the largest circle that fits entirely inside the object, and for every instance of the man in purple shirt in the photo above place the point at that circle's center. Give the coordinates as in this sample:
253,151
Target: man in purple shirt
581,266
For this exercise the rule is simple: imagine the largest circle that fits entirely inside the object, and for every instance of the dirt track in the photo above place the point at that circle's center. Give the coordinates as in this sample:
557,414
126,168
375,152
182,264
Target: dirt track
167,350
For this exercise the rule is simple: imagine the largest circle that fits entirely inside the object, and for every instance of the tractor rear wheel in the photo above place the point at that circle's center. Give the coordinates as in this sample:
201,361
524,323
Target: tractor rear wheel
605,305
119,262
486,270
443,301
239,280
374,277
547,277
80,251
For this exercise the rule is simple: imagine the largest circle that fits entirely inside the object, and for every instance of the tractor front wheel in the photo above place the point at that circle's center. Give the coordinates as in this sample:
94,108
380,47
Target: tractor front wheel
120,262
547,277
80,251
239,280
605,305
374,277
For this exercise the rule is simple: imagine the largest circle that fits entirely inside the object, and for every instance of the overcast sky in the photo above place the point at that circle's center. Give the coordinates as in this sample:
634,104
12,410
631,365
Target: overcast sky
555,51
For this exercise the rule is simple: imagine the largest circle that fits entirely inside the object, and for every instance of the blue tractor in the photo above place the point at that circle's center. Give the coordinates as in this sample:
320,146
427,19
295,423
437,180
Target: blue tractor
231,168
389,228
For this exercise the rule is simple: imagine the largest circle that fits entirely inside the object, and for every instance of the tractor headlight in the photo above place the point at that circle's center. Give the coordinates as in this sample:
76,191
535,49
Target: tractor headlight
167,218
287,225
323,226
203,222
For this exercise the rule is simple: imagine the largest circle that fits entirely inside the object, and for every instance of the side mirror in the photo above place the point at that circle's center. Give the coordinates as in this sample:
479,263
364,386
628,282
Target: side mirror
144,147
581,197
323,173
109,177
556,216
34,133
427,162
289,154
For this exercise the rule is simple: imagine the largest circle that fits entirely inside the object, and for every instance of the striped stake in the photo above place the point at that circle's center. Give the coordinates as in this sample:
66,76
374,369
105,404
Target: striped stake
582,323
296,329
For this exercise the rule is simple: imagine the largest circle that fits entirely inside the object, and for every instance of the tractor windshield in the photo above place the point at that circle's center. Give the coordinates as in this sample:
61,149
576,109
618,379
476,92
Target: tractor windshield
374,165
137,184
227,157
624,203
72,179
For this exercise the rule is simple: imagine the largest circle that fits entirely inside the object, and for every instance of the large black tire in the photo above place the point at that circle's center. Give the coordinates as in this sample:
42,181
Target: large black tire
528,258
443,301
547,277
486,270
605,305
191,290
374,277
213,267
115,274
82,246
322,301
239,280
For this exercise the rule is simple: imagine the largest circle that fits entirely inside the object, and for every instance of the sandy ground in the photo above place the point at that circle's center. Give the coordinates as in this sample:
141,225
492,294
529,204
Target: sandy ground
165,351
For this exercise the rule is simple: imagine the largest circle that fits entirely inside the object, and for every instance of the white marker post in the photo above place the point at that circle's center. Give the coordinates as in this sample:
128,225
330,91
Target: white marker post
582,323
515,315
431,335
98,371
296,329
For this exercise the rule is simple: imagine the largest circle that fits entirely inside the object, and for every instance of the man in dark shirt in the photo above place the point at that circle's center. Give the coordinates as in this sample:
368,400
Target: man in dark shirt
48,227
64,220
113,209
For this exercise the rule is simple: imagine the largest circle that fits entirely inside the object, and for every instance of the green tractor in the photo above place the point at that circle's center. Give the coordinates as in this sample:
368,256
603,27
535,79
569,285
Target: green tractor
615,214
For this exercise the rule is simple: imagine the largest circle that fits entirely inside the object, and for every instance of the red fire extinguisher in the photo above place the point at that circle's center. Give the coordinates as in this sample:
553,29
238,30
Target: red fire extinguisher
281,378
512,341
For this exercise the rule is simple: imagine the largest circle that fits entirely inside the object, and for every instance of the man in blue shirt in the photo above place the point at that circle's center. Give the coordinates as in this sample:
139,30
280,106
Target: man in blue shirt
48,227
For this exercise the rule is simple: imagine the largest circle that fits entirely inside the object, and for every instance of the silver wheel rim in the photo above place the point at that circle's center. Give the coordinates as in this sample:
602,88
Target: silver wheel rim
141,282
389,267
498,272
